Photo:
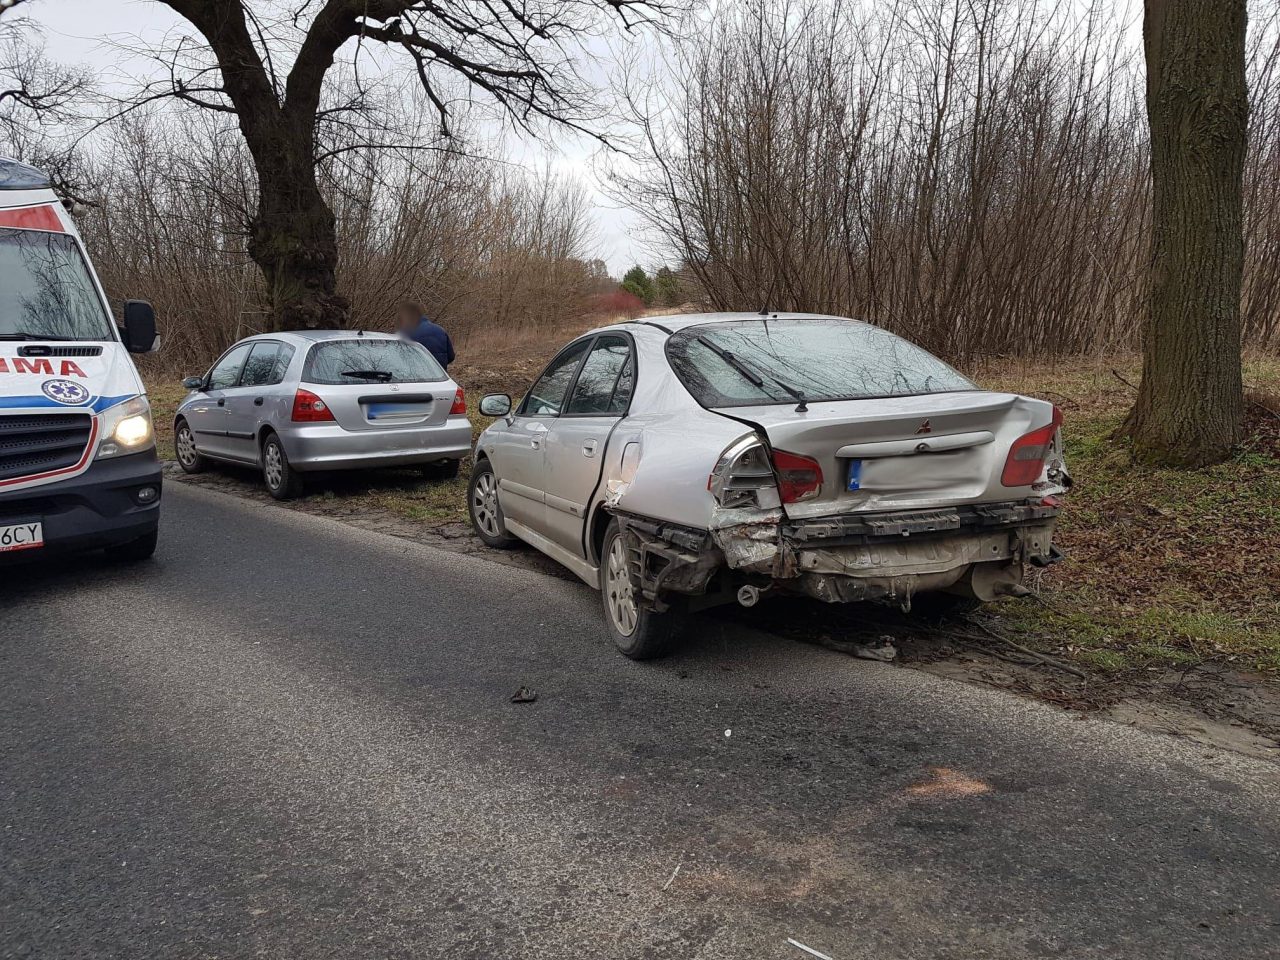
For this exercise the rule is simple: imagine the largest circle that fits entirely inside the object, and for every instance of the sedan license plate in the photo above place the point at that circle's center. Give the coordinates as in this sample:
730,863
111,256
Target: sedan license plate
21,536
855,474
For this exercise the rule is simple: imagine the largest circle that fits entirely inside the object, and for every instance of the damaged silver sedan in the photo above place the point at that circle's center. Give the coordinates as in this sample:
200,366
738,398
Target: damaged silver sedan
680,462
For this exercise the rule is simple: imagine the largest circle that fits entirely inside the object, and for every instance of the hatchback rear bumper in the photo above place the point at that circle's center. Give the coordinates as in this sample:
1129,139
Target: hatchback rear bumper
327,446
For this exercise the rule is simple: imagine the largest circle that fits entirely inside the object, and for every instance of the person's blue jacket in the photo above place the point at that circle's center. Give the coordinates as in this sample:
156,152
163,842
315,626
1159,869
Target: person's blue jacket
433,337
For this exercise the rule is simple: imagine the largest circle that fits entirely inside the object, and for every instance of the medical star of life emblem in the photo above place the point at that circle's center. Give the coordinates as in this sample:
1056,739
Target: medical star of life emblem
64,391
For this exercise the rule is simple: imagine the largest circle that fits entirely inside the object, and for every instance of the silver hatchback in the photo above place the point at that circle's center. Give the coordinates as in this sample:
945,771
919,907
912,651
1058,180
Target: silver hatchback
293,403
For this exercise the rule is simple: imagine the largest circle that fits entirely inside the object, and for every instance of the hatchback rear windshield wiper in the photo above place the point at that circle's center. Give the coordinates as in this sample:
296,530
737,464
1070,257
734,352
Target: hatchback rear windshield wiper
382,375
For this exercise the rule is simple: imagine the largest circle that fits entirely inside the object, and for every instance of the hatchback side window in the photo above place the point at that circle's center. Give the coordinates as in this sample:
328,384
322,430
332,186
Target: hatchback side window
226,372
283,359
546,399
261,365
604,385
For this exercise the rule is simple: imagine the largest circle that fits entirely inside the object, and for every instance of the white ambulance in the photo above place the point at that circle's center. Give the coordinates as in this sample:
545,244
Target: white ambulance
78,467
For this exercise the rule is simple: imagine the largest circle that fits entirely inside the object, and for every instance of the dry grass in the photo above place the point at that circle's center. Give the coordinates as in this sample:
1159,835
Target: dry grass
1164,566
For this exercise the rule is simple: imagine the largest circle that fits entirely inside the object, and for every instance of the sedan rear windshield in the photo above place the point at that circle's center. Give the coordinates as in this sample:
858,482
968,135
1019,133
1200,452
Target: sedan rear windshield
46,291
753,362
370,360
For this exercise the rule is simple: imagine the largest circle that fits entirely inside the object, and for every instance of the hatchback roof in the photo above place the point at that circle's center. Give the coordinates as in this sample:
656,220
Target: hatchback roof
19,176
336,334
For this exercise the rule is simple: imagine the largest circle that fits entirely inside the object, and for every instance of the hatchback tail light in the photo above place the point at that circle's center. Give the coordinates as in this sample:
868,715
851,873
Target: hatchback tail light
459,407
1028,454
308,408
799,478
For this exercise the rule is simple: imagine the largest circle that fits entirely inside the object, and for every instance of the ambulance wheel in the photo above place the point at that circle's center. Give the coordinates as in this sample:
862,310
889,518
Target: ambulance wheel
134,551
184,447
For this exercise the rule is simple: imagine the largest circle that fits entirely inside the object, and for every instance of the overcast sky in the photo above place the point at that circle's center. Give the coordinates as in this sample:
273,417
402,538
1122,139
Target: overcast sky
79,31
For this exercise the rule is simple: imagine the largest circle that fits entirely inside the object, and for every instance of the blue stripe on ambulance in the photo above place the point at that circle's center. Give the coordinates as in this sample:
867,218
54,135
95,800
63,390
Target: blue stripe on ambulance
43,402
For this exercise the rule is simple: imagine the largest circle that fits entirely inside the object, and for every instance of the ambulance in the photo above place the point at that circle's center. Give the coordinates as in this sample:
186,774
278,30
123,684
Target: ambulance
78,467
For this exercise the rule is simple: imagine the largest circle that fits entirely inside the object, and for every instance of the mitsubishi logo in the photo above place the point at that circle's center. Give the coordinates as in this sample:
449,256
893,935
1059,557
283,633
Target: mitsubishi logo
924,428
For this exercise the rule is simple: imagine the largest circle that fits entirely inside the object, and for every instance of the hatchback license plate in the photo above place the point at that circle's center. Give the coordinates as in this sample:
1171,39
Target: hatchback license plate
855,474
21,536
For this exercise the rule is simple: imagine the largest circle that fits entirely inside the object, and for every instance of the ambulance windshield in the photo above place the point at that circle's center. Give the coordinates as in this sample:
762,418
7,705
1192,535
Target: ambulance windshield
46,291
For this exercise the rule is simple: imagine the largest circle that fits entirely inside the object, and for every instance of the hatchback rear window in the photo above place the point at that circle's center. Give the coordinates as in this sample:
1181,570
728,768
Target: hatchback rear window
776,361
370,360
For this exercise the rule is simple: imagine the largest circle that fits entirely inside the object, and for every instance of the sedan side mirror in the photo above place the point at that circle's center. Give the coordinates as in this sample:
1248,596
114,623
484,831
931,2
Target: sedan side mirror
140,327
193,383
496,405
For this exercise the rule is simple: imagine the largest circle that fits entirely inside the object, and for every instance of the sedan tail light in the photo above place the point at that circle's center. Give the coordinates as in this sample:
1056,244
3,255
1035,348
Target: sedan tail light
743,476
459,407
1028,454
799,478
308,408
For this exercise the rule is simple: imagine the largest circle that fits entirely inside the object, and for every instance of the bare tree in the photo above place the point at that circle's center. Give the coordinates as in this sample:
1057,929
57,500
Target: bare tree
519,57
1190,406
38,98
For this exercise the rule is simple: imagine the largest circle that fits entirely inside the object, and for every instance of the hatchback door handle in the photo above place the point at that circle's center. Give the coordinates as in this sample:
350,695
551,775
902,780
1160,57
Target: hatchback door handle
535,442
257,401
222,401
589,448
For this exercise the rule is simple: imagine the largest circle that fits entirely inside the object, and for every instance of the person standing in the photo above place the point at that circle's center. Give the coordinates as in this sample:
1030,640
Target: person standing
411,318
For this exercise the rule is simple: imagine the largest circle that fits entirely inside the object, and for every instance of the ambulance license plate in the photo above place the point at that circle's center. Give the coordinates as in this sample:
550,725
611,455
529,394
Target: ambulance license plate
21,536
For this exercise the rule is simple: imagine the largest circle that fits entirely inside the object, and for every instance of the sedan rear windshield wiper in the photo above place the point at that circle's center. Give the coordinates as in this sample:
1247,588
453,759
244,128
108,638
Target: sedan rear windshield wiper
382,375
751,376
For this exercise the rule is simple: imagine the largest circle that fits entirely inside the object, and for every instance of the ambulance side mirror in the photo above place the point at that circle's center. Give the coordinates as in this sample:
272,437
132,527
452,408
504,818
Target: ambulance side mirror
140,327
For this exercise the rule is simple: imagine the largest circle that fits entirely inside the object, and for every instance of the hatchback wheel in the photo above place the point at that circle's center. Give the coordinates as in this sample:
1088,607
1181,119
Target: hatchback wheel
184,447
283,482
486,513
639,632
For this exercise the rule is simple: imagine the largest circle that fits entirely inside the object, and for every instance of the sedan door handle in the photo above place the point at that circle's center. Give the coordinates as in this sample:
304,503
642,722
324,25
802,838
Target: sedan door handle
257,401
589,448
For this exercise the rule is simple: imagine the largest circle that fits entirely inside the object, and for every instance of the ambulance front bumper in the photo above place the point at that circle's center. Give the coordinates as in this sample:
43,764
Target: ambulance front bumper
115,501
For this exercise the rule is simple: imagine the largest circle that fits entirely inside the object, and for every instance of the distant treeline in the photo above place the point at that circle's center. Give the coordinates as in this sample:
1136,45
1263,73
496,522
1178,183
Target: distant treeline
972,174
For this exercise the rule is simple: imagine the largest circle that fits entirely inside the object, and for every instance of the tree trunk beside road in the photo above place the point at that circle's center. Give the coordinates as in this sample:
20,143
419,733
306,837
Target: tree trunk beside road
1190,407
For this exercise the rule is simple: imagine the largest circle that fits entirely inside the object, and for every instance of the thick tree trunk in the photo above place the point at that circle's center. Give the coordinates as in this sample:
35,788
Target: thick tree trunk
293,240
1190,407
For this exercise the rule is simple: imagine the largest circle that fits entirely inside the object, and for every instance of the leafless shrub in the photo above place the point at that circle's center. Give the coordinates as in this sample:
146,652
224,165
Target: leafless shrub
970,173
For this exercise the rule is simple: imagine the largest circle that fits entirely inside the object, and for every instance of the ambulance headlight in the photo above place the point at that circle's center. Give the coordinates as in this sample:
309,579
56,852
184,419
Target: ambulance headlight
126,428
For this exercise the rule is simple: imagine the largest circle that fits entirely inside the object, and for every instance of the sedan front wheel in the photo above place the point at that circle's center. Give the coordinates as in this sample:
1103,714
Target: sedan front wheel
484,509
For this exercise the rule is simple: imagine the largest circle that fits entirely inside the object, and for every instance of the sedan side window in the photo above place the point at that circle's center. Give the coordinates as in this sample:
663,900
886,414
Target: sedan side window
546,399
226,372
604,385
262,364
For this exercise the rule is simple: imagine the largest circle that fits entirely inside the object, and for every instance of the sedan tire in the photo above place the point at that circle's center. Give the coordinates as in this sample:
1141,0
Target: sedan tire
639,632
485,511
184,447
283,482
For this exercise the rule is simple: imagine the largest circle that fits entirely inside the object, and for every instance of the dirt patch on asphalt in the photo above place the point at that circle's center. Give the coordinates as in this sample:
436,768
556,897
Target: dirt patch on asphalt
1210,703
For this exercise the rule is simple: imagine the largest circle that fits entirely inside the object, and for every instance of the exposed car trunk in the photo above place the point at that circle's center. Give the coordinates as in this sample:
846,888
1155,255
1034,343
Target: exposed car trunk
911,452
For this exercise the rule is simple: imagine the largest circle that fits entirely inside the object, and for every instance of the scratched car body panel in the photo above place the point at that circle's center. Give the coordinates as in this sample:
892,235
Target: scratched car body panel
737,455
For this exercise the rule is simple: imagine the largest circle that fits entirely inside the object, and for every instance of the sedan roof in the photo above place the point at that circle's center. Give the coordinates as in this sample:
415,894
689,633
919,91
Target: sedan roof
679,321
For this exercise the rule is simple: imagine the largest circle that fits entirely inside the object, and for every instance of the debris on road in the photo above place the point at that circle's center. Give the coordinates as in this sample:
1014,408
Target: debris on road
675,873
524,695
882,649
809,950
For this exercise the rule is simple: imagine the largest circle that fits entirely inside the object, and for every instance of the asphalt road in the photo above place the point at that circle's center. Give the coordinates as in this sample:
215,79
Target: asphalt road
287,738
